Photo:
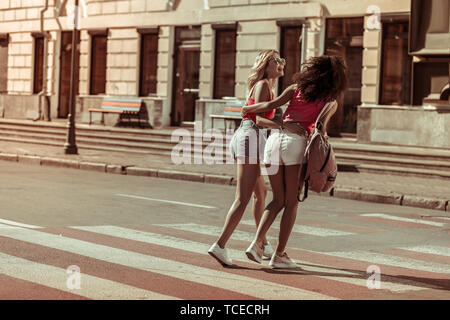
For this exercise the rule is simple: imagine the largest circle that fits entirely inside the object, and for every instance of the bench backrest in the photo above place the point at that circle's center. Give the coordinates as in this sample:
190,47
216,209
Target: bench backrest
233,108
122,104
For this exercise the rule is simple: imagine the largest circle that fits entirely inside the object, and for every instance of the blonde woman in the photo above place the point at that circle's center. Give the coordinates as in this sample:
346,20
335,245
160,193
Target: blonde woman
268,67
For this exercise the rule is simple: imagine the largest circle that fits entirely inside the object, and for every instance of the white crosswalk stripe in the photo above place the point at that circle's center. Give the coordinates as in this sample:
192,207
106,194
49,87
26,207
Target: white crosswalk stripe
444,251
314,265
212,230
378,258
403,219
252,287
18,224
313,231
236,255
89,286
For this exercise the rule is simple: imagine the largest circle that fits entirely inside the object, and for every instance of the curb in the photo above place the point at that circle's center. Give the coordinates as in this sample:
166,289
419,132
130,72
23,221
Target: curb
342,192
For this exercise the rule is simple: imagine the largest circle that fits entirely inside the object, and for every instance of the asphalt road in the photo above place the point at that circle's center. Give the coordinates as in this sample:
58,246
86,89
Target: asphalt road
118,221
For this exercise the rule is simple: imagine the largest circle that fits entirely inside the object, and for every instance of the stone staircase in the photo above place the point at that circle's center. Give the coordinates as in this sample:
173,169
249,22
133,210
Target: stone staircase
351,155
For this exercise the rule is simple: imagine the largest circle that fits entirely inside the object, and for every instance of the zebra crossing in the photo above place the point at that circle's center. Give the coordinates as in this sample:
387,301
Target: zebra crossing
170,262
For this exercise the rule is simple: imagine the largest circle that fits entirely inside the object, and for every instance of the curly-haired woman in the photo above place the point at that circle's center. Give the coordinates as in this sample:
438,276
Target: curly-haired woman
322,80
247,146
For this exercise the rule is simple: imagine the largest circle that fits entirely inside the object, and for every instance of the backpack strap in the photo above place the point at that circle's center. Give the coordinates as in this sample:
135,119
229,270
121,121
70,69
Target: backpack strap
326,160
325,109
305,193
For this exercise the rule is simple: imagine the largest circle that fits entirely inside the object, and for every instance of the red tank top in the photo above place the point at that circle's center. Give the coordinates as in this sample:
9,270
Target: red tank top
250,101
303,112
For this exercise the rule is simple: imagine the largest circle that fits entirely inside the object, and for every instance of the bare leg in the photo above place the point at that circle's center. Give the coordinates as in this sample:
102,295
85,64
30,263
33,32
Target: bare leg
247,175
259,201
274,207
291,178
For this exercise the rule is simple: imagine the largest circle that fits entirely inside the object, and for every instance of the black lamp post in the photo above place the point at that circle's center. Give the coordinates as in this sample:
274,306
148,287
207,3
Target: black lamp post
70,147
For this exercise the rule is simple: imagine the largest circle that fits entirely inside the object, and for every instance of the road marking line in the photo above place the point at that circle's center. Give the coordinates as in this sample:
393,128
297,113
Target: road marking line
6,226
18,224
213,231
241,284
438,250
90,286
389,217
314,231
395,261
168,241
166,201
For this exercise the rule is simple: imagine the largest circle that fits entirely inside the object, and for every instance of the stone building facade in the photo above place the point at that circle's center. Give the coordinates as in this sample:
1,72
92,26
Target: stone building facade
183,58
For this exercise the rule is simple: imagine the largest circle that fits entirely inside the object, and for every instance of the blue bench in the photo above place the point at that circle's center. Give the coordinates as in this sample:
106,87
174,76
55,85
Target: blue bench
123,106
231,112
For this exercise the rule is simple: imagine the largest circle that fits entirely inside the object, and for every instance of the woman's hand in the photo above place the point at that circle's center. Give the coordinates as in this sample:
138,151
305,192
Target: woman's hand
296,128
244,110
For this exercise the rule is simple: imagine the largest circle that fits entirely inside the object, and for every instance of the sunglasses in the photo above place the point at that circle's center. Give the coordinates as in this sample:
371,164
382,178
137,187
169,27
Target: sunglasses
281,61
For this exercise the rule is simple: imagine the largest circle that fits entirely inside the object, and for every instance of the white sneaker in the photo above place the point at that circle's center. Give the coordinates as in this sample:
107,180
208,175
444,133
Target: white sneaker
254,252
283,262
268,250
220,255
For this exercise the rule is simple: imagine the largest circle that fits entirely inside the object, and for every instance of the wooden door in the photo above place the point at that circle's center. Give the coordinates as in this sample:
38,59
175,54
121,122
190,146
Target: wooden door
3,65
186,76
344,37
38,64
291,51
98,64
65,70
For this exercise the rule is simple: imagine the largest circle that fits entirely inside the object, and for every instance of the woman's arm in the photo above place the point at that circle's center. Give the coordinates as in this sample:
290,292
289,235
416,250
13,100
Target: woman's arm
262,94
327,118
267,123
284,98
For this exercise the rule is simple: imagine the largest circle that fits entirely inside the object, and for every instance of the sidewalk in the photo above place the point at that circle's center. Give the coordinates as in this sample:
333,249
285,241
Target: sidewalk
390,189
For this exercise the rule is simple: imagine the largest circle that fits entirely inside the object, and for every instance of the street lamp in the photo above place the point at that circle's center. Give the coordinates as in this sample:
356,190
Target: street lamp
70,147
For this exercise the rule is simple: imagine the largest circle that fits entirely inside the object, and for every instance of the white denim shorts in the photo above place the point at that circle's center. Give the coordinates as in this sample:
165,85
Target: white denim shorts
248,142
285,148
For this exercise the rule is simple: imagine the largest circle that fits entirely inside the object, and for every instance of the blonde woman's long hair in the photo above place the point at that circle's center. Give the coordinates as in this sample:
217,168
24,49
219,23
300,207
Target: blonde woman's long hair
258,71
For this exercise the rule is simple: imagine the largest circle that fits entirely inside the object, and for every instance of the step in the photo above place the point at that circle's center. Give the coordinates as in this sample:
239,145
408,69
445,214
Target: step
349,153
343,165
126,134
114,137
341,145
389,161
403,171
82,145
60,125
139,141
392,151
38,136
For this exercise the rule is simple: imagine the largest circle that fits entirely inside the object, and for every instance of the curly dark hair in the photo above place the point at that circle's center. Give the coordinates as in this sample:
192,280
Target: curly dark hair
322,78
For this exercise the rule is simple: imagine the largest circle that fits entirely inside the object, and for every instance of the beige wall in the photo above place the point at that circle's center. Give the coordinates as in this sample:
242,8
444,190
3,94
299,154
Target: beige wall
257,29
371,61
122,62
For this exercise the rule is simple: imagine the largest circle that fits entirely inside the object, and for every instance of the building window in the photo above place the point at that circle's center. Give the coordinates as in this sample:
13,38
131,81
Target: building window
225,61
148,62
395,88
98,63
290,49
3,63
38,63
344,37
